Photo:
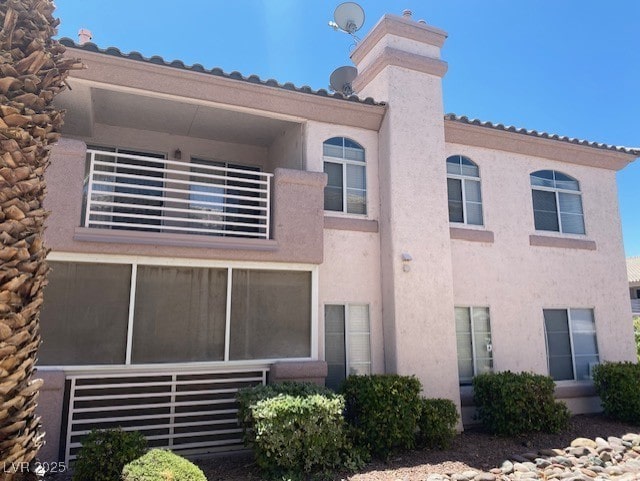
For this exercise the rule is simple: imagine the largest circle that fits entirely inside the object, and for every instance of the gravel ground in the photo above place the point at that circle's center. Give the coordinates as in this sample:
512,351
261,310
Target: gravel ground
473,450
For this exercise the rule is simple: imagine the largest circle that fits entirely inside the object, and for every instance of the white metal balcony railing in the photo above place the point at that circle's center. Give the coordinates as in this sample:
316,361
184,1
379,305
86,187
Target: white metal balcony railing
635,307
133,192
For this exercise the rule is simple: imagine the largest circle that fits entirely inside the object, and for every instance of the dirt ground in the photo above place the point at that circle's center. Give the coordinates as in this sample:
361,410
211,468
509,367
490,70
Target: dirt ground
472,449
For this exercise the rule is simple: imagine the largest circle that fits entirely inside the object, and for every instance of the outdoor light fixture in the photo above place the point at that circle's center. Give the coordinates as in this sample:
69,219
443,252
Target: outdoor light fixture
406,258
177,154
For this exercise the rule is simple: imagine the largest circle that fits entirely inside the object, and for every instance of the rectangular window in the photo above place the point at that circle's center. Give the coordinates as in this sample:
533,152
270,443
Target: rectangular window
270,314
85,314
572,348
558,211
347,342
473,335
136,314
180,314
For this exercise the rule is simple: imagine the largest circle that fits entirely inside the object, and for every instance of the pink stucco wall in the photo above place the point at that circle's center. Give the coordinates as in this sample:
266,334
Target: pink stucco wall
517,280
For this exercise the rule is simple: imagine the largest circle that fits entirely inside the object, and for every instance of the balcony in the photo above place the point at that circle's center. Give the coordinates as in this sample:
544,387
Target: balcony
108,203
151,194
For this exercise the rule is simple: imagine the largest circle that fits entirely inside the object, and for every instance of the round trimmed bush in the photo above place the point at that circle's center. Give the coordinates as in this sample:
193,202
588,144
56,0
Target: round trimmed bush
161,465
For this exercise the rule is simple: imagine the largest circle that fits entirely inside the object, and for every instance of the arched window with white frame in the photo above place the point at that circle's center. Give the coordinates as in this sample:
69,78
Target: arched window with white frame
344,164
557,202
463,189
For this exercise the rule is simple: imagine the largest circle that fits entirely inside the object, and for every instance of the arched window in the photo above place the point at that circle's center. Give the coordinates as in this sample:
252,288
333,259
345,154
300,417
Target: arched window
463,186
557,202
346,190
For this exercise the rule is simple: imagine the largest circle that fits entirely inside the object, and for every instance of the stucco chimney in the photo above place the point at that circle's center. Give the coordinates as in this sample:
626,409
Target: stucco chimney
84,36
399,62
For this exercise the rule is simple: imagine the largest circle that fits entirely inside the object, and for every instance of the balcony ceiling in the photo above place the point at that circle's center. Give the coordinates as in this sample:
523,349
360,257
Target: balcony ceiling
87,105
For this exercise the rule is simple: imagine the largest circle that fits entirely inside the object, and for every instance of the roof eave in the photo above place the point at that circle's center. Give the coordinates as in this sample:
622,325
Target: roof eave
554,147
156,78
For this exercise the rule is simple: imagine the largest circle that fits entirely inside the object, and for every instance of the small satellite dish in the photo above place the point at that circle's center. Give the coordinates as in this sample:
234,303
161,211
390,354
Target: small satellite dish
349,16
341,79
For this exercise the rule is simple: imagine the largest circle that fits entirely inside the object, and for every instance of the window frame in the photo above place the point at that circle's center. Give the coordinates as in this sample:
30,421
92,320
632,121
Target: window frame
463,188
135,261
473,343
557,191
348,332
571,341
344,162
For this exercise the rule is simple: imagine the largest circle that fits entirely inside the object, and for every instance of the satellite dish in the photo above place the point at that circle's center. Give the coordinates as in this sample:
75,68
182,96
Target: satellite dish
349,16
341,79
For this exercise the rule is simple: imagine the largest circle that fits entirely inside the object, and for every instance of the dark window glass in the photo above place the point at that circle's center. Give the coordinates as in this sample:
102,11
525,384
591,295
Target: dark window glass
334,188
180,314
334,345
270,314
454,188
545,211
85,314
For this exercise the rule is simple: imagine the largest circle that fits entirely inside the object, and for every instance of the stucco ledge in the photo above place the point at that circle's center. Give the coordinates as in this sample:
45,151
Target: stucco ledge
472,235
87,234
561,242
349,223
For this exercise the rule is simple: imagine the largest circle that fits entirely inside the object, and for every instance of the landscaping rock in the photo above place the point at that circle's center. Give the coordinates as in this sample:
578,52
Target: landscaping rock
485,477
584,442
613,459
507,467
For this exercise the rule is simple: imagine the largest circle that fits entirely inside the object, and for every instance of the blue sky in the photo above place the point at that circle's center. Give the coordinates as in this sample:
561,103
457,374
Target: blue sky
569,67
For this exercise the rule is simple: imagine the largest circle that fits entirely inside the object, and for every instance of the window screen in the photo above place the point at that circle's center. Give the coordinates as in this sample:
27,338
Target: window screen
180,314
270,314
85,314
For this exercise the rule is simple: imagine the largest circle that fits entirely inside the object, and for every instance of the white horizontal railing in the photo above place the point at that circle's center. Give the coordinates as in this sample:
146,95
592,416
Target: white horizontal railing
188,411
635,307
133,192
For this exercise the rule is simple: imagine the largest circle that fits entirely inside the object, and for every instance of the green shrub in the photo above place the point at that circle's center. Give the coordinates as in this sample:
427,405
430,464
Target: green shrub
383,410
296,429
297,435
618,385
161,465
437,423
249,397
104,453
518,403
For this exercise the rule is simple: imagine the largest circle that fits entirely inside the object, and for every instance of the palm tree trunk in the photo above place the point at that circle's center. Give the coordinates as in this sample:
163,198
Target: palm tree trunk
32,72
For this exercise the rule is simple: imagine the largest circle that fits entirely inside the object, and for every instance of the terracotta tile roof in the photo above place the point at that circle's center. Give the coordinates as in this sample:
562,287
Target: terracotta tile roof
254,79
543,135
633,269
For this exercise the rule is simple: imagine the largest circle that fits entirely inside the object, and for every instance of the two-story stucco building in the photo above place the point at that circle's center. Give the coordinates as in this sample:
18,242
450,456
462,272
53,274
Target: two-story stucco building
211,231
